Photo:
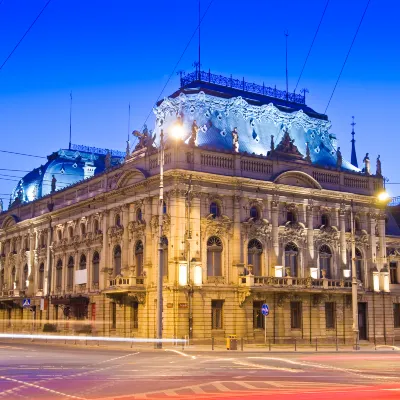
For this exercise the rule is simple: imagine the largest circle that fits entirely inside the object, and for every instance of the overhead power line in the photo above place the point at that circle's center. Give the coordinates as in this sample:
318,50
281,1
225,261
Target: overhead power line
20,154
347,56
312,44
180,58
23,36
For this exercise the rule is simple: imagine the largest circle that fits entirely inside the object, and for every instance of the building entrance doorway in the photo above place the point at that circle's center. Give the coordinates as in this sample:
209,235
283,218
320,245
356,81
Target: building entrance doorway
362,321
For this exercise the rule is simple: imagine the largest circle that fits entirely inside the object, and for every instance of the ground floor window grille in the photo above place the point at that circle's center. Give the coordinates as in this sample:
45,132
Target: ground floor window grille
258,318
295,314
330,315
216,314
113,315
396,314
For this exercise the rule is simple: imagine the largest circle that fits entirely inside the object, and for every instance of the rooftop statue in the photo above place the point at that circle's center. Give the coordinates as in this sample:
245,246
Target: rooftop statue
367,165
339,158
378,166
145,139
287,146
193,136
235,140
128,150
308,156
53,184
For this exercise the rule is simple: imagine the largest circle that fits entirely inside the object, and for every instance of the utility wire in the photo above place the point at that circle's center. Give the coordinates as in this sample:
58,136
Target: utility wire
179,60
26,32
348,53
312,44
20,154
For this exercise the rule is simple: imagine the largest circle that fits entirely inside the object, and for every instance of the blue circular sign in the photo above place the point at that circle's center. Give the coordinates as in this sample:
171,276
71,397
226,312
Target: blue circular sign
265,309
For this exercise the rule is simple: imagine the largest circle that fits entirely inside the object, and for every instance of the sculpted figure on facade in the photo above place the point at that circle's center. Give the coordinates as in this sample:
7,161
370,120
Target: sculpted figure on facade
146,140
194,133
378,166
339,159
235,140
367,164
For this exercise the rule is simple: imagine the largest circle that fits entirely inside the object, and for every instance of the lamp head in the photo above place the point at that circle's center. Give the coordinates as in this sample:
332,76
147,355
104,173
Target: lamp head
177,131
383,196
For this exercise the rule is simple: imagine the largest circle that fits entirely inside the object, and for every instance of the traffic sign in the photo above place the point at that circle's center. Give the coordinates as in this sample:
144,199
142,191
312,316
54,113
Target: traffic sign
26,303
265,309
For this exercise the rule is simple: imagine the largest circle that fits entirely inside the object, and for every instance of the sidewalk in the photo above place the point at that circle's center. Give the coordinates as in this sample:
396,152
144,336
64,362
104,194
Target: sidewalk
82,342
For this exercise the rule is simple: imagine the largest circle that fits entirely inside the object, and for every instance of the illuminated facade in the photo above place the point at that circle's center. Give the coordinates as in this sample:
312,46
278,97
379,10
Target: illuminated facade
258,204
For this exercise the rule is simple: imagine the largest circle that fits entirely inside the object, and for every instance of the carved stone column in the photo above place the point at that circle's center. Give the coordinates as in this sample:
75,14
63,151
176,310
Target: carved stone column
47,273
148,241
104,265
382,242
34,267
275,232
237,245
371,253
310,238
125,240
343,248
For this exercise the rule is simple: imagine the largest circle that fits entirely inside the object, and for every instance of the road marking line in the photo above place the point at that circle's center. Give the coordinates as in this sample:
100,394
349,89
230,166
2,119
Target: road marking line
180,353
197,390
221,387
258,366
36,387
246,385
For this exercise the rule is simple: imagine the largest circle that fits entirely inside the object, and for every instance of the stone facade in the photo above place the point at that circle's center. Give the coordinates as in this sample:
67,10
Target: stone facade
87,256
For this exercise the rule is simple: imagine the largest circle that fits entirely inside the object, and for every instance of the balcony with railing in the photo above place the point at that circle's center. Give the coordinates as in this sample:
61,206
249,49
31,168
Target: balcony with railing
295,282
121,284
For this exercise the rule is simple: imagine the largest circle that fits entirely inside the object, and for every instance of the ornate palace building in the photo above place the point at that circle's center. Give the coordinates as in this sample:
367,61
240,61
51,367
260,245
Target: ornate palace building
258,208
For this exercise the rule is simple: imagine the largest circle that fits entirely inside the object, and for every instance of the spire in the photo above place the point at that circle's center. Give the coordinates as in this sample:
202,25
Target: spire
353,146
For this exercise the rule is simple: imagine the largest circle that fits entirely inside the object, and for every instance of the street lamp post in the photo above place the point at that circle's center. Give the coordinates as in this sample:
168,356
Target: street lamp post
177,132
160,246
354,284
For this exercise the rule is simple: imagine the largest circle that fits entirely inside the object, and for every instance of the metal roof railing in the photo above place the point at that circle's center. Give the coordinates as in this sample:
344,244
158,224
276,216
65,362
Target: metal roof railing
238,84
395,201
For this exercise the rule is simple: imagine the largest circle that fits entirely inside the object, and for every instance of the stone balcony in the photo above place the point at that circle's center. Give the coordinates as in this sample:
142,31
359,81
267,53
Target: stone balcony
290,283
121,284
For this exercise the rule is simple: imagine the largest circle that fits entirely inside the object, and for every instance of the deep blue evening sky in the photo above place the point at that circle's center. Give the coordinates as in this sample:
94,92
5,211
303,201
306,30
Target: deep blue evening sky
110,53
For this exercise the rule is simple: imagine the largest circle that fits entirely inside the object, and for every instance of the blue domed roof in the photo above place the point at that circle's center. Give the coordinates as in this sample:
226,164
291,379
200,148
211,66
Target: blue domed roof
67,167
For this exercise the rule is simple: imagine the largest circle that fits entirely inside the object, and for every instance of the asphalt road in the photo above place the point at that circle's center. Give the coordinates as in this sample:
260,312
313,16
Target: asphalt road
39,371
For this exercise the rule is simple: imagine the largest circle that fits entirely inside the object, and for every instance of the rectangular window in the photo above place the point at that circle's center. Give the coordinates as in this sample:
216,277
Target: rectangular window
56,312
396,315
393,273
134,315
216,314
295,314
113,315
330,315
258,318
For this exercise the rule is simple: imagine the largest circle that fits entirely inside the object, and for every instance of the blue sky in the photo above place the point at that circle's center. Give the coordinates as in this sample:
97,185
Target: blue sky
118,52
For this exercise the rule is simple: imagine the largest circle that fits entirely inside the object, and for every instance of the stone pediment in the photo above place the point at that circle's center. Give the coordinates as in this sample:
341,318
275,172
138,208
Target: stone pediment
328,234
216,226
293,232
257,229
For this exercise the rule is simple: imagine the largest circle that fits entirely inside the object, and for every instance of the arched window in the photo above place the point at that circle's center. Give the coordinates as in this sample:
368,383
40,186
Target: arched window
41,277
214,256
255,250
325,220
254,213
292,259
83,229
59,274
25,277
59,235
164,210
2,279
359,265
139,215
26,243
164,246
96,226
96,267
291,217
70,272
117,260
82,262
325,260
13,275
117,220
139,258
215,209
70,232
